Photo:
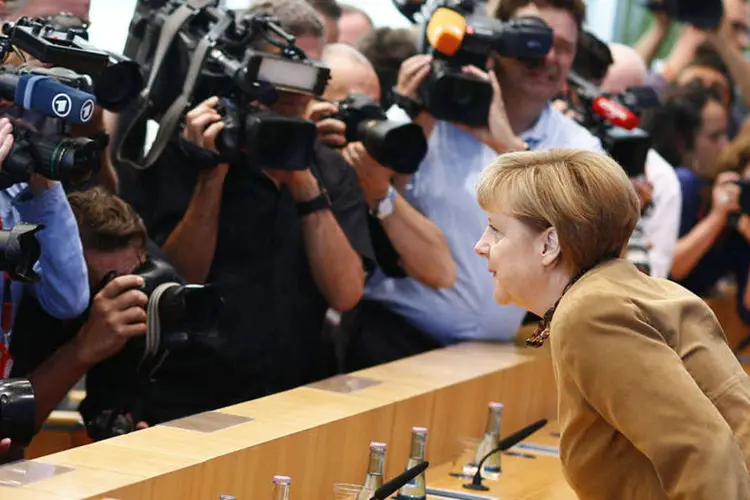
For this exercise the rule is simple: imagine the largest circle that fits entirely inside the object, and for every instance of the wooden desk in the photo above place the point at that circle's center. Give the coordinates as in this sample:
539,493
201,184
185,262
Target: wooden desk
317,434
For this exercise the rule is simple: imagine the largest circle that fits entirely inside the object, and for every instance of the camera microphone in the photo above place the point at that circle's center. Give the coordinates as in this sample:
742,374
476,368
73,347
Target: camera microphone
508,442
48,96
603,105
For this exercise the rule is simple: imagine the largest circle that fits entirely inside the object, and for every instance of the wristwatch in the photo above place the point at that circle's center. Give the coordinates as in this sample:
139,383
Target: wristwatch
320,202
385,207
411,106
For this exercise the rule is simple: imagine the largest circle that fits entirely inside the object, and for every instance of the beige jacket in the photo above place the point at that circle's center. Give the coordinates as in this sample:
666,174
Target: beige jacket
653,404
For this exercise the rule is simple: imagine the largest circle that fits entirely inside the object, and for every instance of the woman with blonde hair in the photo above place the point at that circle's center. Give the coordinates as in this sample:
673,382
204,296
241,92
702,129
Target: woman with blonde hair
652,402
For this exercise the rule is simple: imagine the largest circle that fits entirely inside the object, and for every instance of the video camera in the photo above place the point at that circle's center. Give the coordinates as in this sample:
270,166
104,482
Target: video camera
214,52
61,94
457,33
178,315
703,14
614,120
398,146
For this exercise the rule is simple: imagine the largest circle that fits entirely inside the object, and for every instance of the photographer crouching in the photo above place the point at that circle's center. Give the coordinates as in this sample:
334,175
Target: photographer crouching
281,246
125,269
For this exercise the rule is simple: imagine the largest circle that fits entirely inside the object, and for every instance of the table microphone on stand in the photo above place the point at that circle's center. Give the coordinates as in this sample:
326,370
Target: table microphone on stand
397,482
504,444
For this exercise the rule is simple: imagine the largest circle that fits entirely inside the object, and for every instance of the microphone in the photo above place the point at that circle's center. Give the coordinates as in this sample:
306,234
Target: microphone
603,105
446,30
504,444
47,96
397,482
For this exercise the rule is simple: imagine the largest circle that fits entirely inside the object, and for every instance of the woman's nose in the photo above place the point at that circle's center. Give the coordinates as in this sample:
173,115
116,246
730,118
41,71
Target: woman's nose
482,248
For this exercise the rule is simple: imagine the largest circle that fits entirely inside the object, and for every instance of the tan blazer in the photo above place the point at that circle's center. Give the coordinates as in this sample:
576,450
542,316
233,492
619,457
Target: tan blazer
653,404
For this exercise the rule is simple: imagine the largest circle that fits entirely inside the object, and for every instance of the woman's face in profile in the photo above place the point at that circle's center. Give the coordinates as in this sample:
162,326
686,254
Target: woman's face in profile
513,258
710,139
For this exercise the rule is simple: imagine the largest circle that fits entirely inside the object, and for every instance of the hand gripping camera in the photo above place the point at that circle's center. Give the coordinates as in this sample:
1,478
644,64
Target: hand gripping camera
457,33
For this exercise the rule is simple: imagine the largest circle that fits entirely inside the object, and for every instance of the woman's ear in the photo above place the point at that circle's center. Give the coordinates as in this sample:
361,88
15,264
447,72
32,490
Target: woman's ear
550,244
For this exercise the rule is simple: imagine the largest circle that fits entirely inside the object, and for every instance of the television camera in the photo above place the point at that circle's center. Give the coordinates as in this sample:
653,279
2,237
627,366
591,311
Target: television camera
61,96
458,33
218,52
614,120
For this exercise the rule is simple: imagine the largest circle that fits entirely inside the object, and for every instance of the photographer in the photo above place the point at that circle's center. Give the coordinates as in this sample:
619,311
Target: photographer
404,227
97,342
281,246
520,116
690,131
62,290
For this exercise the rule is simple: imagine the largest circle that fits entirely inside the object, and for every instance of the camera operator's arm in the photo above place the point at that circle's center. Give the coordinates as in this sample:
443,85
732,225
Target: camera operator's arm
422,248
650,42
335,266
735,60
191,245
411,74
117,315
63,290
498,134
694,245
683,52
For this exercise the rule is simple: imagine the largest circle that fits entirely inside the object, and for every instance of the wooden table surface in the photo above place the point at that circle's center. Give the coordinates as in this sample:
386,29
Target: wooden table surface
522,478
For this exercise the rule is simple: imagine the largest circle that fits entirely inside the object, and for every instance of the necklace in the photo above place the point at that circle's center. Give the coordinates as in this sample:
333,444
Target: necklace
542,331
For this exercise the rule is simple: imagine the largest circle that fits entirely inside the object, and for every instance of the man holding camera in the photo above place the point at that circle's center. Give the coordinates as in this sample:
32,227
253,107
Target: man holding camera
520,117
398,223
56,354
281,246
62,289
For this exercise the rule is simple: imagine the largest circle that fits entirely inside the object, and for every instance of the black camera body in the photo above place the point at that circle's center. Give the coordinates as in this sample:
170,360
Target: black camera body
73,161
262,138
458,33
744,185
179,315
213,51
614,119
398,146
20,251
703,14
17,411
183,311
114,79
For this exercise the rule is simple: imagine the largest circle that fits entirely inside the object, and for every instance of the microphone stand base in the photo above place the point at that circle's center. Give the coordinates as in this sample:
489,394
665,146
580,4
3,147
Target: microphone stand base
476,487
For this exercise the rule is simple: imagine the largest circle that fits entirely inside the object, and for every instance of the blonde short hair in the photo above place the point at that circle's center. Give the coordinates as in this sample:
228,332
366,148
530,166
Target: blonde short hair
585,196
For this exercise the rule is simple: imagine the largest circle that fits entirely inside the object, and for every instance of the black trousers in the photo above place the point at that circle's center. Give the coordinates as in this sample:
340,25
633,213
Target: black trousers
376,335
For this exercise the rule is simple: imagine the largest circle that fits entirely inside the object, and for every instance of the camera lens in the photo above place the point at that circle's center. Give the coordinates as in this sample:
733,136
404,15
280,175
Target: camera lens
73,160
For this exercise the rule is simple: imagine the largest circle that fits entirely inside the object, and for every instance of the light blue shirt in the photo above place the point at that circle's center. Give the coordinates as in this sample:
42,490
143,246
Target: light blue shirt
443,189
63,290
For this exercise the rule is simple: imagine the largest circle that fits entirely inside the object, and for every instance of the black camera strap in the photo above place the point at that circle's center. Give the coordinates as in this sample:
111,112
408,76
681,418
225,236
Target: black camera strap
170,120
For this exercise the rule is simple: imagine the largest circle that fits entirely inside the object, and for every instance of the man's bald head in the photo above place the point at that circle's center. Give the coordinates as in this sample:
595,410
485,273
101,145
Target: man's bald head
351,72
627,70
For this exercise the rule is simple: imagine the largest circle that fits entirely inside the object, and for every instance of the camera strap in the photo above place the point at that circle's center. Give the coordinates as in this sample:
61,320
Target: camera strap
153,325
169,121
